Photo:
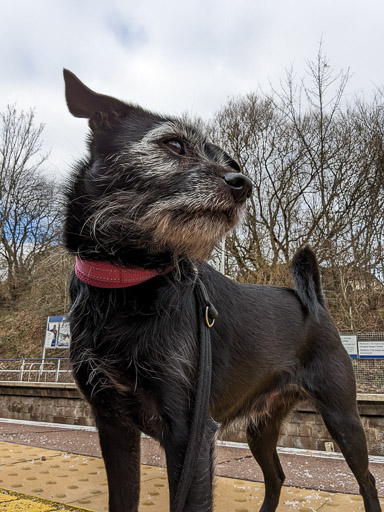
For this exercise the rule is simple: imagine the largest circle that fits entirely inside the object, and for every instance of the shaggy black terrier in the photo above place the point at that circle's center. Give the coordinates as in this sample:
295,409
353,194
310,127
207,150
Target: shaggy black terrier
144,210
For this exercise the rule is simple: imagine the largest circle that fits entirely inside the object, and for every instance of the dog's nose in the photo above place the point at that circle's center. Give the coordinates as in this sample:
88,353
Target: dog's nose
241,185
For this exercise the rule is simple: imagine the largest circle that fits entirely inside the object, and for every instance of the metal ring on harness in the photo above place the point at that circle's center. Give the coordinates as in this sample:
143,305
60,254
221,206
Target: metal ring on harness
209,321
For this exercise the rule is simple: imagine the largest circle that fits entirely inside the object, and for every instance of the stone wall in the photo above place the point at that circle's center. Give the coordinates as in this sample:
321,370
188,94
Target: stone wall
38,401
303,428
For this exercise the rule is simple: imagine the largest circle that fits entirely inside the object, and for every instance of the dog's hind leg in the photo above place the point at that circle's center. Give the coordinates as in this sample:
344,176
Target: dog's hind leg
262,440
120,446
344,425
331,383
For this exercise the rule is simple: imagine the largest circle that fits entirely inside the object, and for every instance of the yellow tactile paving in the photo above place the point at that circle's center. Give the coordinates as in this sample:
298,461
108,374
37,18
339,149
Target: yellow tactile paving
11,501
81,482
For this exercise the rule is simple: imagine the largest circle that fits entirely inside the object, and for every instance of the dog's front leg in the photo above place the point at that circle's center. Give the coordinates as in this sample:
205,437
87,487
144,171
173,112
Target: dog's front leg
199,498
120,446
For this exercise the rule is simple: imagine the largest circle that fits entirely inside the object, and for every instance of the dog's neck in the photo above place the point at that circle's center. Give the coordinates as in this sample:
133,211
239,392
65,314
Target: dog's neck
106,275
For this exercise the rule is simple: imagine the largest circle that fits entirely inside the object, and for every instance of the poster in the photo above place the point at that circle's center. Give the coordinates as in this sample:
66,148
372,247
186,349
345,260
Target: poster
57,334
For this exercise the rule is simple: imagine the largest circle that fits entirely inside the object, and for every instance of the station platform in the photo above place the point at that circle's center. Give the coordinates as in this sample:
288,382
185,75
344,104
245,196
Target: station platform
44,469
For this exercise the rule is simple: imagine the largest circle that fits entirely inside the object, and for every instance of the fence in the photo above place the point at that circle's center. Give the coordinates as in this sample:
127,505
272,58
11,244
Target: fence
35,370
369,375
369,369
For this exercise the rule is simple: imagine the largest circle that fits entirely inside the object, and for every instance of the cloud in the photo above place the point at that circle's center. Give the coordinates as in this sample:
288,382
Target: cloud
173,56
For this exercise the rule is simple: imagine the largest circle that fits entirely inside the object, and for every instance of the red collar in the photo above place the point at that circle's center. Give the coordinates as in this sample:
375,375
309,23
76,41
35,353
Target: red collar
106,275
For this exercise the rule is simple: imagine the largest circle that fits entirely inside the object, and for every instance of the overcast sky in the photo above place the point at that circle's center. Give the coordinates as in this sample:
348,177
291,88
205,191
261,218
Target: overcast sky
174,56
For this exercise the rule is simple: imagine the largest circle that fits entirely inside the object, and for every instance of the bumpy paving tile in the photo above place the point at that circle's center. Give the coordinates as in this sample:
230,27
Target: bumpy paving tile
80,481
16,502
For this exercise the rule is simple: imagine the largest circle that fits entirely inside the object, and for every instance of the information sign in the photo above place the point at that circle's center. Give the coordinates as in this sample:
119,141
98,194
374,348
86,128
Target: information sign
371,349
350,345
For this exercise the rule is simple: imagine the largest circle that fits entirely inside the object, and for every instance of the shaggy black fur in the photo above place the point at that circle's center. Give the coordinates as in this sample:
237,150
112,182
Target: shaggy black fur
155,192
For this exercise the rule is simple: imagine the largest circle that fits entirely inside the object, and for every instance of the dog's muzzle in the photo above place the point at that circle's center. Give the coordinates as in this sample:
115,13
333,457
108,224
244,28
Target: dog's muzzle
241,186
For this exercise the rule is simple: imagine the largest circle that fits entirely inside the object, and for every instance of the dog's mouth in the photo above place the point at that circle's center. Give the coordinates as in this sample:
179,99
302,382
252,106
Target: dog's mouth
227,216
230,216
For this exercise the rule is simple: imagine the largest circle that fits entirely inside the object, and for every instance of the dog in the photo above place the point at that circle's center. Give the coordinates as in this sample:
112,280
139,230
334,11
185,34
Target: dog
145,210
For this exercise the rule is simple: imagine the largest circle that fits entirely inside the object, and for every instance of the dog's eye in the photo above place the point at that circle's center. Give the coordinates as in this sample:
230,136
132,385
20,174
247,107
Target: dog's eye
175,146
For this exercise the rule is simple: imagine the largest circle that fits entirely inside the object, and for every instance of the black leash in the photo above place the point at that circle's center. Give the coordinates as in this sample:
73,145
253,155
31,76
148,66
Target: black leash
207,315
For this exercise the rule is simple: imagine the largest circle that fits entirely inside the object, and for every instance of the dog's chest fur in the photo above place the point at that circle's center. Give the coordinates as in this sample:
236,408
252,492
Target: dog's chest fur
123,353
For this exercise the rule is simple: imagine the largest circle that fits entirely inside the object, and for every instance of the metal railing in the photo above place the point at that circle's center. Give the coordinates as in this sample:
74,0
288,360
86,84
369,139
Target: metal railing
35,370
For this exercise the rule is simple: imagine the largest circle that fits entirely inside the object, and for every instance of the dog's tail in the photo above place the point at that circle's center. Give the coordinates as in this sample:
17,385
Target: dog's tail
306,277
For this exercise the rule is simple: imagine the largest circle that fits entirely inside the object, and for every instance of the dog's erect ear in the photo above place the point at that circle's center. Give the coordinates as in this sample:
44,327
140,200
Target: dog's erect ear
101,110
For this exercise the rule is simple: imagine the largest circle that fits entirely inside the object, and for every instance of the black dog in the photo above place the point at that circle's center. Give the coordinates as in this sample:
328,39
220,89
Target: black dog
145,208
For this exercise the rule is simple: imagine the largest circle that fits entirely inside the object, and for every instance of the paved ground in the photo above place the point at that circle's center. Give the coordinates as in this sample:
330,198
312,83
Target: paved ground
47,462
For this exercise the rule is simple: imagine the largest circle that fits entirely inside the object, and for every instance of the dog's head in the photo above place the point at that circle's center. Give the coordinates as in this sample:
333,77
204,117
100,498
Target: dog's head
153,189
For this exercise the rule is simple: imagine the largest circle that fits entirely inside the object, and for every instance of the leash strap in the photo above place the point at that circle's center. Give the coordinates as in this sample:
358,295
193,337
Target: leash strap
207,315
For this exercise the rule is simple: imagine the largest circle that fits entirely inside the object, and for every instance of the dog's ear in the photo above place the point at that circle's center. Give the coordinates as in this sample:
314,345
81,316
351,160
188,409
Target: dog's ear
102,111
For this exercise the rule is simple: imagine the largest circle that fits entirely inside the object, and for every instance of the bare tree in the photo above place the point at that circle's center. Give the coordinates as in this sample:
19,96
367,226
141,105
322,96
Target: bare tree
28,199
316,163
